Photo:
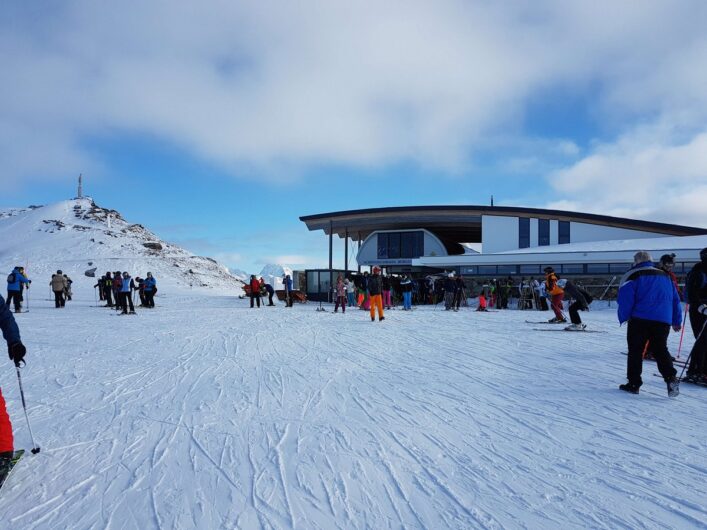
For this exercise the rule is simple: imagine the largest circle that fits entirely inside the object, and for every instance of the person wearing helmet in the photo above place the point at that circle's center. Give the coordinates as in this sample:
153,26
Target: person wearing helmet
375,288
557,294
126,294
696,293
150,290
667,263
59,286
14,282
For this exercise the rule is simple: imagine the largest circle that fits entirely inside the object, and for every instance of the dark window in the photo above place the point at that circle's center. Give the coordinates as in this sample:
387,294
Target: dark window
575,268
382,246
543,232
619,267
597,268
523,232
530,269
563,236
469,270
507,269
411,244
487,269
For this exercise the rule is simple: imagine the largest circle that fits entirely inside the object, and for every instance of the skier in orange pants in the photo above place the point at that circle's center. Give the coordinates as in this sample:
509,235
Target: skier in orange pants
375,290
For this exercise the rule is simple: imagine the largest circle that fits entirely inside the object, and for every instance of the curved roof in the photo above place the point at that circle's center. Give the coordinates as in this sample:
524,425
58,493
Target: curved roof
462,224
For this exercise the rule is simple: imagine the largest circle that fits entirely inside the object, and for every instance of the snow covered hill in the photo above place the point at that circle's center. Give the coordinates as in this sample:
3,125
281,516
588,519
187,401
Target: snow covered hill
78,235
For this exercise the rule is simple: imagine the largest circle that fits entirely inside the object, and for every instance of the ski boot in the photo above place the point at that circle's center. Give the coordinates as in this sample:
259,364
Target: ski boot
628,387
673,387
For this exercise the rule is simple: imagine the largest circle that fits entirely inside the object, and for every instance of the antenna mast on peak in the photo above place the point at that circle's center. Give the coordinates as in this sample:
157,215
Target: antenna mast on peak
80,194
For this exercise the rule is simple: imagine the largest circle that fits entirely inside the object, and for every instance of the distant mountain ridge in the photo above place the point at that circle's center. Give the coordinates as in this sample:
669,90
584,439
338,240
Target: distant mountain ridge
78,235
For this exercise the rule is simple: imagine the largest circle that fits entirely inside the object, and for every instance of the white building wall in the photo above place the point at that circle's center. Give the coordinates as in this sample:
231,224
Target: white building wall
533,233
499,233
583,232
554,232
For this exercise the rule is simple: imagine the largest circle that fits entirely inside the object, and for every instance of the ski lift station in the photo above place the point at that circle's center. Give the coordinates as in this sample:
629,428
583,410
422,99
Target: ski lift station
501,241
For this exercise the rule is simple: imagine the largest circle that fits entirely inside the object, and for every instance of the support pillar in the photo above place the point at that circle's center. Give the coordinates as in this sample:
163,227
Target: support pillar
346,253
359,248
331,257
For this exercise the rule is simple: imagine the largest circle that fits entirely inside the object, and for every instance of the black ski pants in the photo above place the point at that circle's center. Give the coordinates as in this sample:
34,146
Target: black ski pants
126,300
574,309
149,298
59,299
254,297
14,296
107,296
639,332
698,355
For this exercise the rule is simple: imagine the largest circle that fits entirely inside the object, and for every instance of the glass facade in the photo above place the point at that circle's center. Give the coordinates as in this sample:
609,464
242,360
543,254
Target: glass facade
543,232
563,236
523,232
396,245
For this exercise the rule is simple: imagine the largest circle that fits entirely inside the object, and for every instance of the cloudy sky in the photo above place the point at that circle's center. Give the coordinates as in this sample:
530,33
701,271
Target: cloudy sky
217,124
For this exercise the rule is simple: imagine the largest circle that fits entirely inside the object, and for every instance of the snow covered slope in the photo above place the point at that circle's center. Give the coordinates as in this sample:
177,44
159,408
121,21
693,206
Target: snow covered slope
78,235
293,419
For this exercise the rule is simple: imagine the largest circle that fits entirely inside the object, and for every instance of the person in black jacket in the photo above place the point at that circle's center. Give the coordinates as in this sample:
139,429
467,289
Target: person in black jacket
696,287
449,288
580,302
386,291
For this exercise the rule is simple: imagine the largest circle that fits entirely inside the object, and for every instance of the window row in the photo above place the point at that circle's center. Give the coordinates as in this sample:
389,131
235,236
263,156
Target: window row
568,269
563,234
395,245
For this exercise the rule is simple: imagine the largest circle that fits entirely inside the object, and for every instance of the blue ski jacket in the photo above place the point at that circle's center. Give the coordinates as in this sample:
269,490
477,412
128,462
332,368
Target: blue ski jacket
648,293
19,278
10,331
150,284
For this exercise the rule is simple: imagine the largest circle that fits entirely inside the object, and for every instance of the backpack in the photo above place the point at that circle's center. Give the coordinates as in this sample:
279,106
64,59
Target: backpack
688,280
11,278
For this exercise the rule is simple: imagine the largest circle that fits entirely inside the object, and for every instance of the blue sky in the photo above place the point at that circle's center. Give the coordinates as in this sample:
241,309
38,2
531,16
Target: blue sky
218,128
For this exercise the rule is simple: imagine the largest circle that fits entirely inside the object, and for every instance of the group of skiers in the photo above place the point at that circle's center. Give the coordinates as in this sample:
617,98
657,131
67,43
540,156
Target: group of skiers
61,287
258,288
120,286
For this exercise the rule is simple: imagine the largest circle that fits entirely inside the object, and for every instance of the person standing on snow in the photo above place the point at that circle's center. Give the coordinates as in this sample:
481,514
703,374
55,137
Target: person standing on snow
406,287
108,289
16,351
126,294
581,300
350,289
667,263
150,290
375,288
287,282
254,290
14,280
58,284
449,288
649,302
696,290
557,294
386,291
340,295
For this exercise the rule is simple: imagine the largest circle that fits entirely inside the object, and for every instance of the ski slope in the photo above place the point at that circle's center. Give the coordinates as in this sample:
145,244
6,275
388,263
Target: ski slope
204,413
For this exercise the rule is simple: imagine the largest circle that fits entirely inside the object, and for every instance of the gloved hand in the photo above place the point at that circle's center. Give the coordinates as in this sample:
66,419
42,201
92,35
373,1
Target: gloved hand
16,352
702,309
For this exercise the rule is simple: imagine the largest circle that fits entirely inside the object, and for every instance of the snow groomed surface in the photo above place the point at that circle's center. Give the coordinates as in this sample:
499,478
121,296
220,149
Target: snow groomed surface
204,413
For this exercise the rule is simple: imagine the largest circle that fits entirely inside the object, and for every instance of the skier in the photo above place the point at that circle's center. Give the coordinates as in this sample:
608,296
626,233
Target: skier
140,282
150,290
14,280
649,302
340,295
581,300
449,288
288,290
667,262
366,293
406,286
375,287
269,289
67,291
350,290
557,294
459,292
58,284
254,290
696,291
16,351
117,285
386,291
108,289
101,291
126,294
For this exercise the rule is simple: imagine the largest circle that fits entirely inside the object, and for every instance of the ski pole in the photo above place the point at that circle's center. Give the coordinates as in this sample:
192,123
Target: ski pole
35,448
682,333
687,361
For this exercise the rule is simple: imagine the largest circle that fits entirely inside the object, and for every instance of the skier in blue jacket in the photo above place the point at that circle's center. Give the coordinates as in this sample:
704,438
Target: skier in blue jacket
650,304
14,290
150,290
16,352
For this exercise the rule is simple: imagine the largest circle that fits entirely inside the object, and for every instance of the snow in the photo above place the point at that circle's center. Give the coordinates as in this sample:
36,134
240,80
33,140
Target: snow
204,413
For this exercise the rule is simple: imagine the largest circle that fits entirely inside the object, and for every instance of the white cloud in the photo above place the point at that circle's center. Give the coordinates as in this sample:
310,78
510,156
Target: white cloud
648,173
276,87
